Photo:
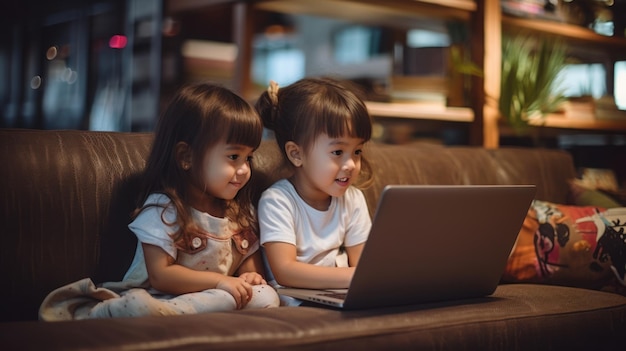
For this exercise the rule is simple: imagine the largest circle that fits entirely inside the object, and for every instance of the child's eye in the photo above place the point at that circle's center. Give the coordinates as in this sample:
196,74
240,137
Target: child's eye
237,157
358,152
337,152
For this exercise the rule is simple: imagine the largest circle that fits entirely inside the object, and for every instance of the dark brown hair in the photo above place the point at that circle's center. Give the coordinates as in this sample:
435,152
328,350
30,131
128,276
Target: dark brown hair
200,115
314,106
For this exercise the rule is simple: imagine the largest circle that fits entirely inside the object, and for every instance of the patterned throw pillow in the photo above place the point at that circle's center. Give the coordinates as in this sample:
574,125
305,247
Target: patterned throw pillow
580,246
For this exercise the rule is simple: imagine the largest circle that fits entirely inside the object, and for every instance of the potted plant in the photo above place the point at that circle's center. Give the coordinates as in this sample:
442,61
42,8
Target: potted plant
530,67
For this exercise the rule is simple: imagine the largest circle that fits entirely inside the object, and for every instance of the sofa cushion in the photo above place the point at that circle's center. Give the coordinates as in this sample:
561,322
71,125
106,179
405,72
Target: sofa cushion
515,317
580,246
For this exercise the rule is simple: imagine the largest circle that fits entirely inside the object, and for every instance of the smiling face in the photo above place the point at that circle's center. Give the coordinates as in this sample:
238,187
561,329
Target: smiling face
326,169
224,170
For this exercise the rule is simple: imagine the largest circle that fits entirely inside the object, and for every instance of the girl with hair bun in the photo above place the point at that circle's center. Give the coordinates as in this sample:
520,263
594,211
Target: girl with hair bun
314,224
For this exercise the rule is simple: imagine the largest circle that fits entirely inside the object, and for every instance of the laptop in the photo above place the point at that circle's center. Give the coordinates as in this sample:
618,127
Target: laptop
432,243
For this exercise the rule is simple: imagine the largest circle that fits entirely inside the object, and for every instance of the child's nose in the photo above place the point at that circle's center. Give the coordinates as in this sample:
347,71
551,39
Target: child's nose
244,169
349,164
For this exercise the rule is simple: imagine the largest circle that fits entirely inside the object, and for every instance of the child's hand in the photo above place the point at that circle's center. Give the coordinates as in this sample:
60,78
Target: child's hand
252,278
239,288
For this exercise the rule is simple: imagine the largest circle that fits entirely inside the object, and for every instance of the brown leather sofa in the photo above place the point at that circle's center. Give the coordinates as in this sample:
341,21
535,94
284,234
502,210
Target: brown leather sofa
66,197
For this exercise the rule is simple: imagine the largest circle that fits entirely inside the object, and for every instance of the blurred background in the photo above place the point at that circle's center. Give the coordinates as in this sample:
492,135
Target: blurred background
112,64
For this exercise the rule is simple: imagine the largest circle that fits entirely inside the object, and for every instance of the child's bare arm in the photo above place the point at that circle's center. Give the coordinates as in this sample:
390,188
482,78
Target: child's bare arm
251,269
354,254
289,272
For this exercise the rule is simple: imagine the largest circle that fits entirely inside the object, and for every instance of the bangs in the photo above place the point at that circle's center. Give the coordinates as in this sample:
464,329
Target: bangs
312,107
237,124
243,128
344,117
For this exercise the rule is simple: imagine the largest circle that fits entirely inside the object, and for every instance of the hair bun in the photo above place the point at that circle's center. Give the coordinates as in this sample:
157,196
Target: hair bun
272,92
269,109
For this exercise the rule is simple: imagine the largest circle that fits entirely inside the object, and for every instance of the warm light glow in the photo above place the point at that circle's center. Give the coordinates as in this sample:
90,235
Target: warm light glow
118,42
51,53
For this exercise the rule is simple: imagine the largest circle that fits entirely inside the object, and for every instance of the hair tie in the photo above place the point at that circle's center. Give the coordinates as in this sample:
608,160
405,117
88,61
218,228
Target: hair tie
272,91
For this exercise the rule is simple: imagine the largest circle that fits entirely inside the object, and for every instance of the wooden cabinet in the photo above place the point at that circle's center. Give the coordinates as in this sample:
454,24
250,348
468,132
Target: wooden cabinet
483,18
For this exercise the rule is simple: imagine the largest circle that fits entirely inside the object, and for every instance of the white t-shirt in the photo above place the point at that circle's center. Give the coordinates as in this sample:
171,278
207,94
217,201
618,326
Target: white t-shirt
220,248
317,235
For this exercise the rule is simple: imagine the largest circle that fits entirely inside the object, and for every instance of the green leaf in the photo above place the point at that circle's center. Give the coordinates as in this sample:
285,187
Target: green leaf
530,68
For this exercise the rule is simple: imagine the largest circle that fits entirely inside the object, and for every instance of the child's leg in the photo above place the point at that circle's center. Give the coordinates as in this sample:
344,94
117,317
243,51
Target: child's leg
216,300
138,302
263,296
211,300
133,303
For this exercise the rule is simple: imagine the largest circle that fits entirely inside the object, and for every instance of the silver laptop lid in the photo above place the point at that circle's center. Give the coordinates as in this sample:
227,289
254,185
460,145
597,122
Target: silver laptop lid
432,243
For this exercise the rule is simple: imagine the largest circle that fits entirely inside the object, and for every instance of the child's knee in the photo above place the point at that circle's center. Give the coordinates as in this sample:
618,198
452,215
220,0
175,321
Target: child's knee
211,300
263,296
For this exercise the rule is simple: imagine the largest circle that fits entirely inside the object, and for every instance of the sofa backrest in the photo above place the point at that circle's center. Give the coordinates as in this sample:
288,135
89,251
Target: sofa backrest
432,164
67,198
461,165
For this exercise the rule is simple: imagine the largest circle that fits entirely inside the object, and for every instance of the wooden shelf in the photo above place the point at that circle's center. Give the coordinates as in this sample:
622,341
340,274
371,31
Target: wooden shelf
559,121
401,13
298,5
487,23
467,5
570,32
419,111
